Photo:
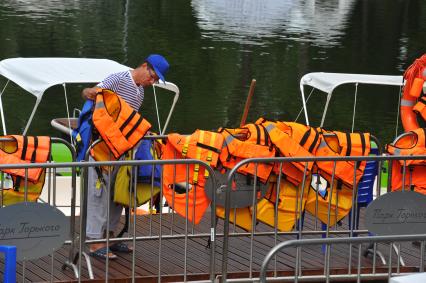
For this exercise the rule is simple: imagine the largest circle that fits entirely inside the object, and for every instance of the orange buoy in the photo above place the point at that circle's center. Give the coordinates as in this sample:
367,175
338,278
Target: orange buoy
414,77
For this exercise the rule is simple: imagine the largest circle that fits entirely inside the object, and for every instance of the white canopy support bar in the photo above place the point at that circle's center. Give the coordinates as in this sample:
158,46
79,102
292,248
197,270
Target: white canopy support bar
32,116
171,87
3,122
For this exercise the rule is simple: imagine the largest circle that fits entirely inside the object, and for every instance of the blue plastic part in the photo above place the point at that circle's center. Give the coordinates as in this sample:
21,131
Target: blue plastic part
9,274
366,187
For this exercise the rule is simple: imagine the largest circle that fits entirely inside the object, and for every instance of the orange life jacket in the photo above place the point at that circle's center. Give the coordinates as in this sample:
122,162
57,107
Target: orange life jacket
250,141
414,77
344,144
293,140
414,177
120,126
202,145
412,143
24,150
420,107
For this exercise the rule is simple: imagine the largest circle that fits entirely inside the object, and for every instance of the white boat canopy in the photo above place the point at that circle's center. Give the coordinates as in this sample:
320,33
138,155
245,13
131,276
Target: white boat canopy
36,75
327,82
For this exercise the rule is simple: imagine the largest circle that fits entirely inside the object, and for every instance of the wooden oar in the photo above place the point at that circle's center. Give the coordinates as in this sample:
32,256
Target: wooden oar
248,102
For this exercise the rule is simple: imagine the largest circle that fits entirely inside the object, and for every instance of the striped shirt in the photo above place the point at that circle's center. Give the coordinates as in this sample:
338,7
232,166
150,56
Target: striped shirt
123,84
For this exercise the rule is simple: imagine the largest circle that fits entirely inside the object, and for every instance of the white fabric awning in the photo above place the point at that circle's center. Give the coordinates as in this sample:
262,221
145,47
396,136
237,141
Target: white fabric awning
327,82
35,75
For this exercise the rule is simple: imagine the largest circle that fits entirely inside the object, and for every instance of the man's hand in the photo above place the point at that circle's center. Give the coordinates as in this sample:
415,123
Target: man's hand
89,93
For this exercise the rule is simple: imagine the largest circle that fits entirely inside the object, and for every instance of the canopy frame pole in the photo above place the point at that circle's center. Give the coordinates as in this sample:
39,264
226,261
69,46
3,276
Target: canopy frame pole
354,111
326,108
171,87
156,110
301,109
3,121
32,114
68,110
304,103
397,112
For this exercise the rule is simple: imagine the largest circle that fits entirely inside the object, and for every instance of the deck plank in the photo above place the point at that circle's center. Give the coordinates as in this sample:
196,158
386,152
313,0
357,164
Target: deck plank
198,256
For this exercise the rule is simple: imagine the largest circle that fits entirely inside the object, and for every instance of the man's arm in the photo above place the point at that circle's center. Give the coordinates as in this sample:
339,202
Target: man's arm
89,93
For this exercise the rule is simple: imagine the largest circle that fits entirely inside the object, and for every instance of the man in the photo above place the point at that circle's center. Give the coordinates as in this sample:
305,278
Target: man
129,85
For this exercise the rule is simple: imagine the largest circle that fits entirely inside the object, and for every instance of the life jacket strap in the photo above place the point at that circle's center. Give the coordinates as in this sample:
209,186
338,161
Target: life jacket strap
134,127
124,125
210,153
257,133
361,135
18,181
348,144
185,146
198,156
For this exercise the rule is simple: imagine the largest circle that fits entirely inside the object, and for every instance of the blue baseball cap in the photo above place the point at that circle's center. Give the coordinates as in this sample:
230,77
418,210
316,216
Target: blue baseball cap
159,64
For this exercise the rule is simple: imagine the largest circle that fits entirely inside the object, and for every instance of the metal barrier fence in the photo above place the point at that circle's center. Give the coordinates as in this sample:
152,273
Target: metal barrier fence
176,249
391,270
349,225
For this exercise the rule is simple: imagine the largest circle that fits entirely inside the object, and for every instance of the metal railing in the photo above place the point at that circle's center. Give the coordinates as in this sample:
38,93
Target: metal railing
299,232
181,234
327,276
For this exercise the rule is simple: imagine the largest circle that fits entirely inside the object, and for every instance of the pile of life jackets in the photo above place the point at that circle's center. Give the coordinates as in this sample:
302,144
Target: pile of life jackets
27,184
409,174
291,187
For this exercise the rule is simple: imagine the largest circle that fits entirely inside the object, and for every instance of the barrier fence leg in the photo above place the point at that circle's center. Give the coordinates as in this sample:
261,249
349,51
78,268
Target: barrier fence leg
9,275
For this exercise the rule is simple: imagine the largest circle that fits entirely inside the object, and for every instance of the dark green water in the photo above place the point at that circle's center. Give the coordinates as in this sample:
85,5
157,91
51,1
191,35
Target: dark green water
216,47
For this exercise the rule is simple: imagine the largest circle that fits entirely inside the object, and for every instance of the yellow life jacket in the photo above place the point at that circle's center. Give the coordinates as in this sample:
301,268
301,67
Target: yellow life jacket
242,217
12,195
288,207
124,195
24,150
320,198
291,204
120,126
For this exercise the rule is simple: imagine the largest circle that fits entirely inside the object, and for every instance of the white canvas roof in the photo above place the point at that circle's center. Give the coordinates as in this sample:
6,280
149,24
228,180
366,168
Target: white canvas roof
35,75
327,82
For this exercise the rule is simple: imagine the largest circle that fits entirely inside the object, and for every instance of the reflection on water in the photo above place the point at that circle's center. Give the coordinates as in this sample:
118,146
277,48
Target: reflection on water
253,21
37,9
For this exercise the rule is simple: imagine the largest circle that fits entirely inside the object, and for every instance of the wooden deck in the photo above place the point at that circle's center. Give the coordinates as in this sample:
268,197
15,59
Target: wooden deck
173,265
